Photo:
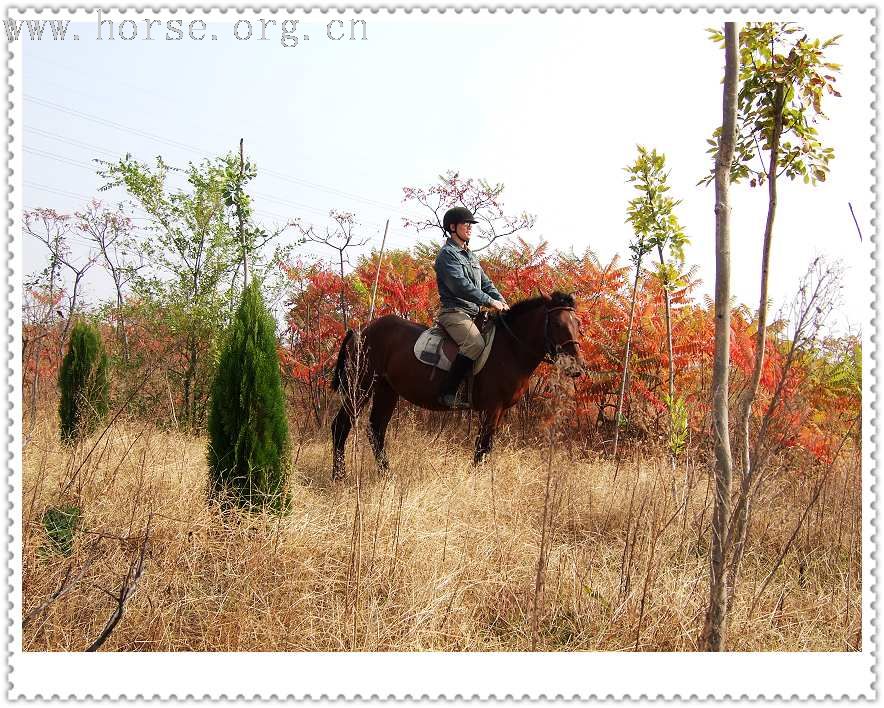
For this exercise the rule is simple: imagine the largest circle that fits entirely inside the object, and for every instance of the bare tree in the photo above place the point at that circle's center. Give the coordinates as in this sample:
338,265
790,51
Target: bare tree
53,230
341,238
817,298
111,231
480,196
715,627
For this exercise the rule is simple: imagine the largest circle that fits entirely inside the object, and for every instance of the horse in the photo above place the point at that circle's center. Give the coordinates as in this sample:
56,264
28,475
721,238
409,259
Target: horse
532,331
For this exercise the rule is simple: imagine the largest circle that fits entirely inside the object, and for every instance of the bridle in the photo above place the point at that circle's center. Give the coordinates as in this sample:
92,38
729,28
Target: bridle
551,349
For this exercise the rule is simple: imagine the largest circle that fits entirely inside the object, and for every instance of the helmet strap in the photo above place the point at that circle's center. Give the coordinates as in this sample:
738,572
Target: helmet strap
464,241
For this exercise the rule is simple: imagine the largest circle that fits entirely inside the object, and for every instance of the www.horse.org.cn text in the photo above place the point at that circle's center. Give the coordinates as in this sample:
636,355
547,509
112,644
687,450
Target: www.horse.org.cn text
289,33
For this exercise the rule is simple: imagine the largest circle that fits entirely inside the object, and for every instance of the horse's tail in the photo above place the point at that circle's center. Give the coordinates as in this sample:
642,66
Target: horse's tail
342,362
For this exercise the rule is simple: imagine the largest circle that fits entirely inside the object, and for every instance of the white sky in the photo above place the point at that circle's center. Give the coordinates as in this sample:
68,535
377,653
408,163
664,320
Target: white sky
551,105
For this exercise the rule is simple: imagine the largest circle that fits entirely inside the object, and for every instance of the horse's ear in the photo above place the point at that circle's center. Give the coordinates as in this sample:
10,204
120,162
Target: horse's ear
541,293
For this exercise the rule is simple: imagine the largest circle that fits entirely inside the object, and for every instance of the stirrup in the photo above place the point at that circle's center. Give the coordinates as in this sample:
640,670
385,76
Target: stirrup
452,402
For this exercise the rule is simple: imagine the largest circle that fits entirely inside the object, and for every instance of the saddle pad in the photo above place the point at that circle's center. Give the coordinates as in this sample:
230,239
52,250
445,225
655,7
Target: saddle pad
429,348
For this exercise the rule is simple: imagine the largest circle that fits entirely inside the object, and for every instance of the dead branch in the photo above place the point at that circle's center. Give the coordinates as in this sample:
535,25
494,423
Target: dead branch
68,582
127,588
807,509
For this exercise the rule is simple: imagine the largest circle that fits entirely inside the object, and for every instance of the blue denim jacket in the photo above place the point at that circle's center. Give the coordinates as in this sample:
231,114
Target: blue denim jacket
462,282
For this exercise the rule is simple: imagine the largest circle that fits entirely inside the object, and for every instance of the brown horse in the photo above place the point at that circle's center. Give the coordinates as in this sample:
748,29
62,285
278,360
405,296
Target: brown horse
383,367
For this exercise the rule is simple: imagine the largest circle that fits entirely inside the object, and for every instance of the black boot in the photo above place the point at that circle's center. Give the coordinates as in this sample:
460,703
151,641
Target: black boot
459,368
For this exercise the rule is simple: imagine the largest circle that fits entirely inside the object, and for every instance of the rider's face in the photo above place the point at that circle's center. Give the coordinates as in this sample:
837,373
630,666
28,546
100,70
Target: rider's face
463,231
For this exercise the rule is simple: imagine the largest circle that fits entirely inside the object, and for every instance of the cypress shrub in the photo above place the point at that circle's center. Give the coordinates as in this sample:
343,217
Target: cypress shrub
248,431
83,380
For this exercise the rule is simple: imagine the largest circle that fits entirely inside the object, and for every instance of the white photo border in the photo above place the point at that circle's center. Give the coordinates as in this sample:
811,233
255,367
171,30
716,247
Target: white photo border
433,675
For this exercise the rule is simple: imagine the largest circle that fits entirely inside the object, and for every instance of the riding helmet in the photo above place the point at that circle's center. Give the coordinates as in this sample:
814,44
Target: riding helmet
457,215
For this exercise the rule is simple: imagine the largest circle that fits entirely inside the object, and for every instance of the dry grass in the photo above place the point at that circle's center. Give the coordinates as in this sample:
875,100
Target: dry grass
436,556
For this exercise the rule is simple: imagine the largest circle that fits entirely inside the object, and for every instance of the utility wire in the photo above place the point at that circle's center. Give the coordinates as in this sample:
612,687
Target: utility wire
191,148
76,163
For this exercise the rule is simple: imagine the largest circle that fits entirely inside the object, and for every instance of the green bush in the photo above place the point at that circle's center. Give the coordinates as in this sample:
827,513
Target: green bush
248,431
60,524
83,380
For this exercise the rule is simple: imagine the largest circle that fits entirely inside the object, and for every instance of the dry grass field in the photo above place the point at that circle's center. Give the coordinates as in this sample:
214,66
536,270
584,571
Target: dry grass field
529,551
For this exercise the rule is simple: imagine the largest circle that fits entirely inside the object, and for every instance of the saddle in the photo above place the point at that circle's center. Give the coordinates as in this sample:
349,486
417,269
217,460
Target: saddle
436,348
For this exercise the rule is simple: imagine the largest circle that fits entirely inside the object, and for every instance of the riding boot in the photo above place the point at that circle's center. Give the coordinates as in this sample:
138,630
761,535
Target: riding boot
459,368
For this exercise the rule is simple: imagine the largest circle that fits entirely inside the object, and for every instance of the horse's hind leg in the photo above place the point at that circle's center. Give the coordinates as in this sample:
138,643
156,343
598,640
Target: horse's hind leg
382,407
340,430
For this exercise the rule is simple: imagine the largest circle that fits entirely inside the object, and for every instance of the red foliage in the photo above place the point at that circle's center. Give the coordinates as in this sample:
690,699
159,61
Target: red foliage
820,397
406,287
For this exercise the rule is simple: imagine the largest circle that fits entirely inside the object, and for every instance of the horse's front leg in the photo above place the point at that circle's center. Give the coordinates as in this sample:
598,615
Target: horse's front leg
485,439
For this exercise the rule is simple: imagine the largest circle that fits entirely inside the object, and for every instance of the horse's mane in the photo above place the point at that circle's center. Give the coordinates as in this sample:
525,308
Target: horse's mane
557,299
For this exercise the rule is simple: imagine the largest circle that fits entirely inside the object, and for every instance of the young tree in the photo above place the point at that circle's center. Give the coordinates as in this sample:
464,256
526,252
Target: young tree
194,252
653,219
251,239
84,385
783,78
481,197
715,627
248,432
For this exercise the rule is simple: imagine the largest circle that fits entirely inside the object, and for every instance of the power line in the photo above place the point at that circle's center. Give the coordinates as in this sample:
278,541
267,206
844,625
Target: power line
76,163
191,148
61,192
85,145
59,158
112,124
70,141
71,161
276,174
79,71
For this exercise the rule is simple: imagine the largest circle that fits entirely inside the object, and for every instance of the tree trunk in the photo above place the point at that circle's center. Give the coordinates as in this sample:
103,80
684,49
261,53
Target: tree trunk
66,324
239,219
740,523
667,314
189,405
121,324
666,310
344,318
35,382
715,627
638,270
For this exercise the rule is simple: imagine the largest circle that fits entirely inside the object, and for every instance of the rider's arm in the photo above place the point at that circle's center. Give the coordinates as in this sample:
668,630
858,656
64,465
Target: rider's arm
489,289
451,270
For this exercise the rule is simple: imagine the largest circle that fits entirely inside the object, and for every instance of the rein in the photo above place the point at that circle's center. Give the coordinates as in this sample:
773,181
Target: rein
550,349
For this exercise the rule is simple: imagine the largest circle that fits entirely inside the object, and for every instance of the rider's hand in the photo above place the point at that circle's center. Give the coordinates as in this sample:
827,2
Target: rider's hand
499,305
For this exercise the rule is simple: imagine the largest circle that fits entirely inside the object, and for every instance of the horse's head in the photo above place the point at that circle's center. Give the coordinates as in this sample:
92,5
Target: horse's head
546,327
562,333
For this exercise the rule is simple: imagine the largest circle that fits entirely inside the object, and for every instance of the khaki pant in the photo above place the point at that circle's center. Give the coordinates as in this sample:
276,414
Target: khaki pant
462,329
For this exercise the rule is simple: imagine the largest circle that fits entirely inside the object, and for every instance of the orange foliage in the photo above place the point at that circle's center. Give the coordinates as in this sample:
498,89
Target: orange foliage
805,417
820,397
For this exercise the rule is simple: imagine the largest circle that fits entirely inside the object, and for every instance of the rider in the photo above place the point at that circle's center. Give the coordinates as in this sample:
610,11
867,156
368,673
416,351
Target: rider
463,288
